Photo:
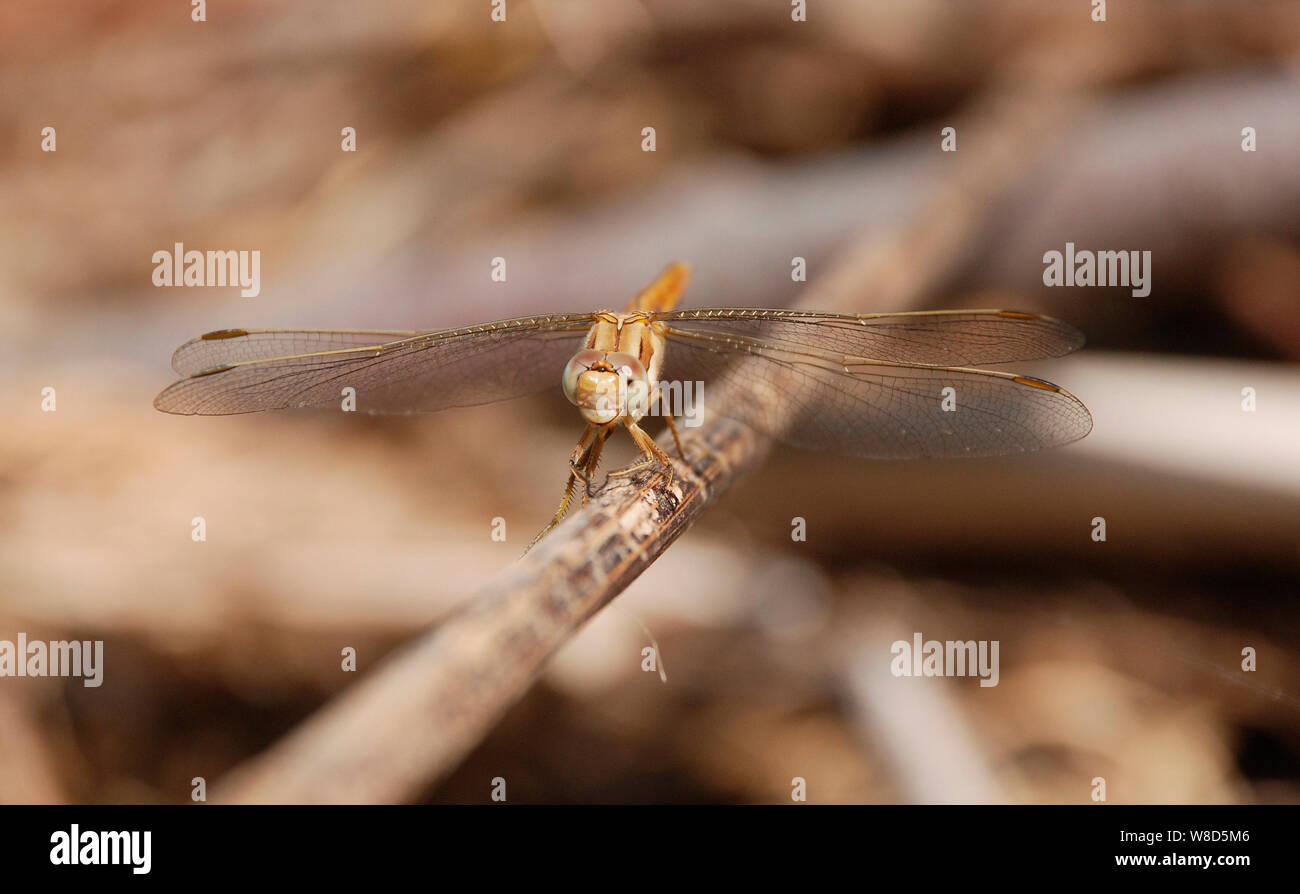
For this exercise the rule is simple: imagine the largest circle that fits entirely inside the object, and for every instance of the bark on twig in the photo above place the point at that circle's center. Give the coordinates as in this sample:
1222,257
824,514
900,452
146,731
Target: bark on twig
415,718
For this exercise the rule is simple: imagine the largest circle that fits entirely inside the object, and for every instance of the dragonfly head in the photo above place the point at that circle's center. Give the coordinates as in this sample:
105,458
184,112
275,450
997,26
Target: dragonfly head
604,386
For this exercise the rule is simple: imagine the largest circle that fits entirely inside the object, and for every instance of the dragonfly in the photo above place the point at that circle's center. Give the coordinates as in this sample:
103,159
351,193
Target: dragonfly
872,385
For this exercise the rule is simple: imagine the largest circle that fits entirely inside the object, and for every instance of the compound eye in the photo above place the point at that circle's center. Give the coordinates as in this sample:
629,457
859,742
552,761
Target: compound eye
629,368
578,364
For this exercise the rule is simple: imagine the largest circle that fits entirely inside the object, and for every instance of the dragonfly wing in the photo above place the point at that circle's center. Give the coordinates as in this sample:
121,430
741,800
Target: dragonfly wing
242,345
931,338
874,409
419,373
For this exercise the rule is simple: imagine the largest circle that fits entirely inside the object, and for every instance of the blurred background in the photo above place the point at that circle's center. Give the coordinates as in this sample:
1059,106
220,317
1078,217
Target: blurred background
775,139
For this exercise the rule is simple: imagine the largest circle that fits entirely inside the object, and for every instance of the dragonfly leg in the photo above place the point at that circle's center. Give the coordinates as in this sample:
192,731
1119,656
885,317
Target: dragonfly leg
586,455
584,466
578,458
672,427
559,513
654,454
581,463
668,417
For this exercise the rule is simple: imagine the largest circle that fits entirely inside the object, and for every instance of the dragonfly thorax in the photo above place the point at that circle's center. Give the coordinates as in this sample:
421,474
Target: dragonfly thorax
606,387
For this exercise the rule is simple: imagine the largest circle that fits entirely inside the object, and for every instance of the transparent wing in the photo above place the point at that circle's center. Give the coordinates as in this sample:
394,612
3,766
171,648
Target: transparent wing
869,408
242,345
931,338
243,371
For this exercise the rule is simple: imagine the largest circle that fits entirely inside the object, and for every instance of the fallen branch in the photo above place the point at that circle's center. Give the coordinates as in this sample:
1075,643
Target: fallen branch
418,715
